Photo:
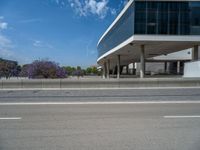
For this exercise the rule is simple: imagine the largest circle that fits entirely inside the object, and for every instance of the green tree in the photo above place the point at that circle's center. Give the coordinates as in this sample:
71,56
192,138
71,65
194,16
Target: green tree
69,70
92,71
9,68
89,70
78,68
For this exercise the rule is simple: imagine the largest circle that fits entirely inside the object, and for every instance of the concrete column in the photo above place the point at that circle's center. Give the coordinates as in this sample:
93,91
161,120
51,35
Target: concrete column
178,67
104,70
108,69
127,69
118,66
134,69
142,61
165,67
195,52
113,70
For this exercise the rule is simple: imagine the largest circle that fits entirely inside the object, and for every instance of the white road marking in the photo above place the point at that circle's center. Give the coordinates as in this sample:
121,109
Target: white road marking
99,88
98,103
176,117
11,118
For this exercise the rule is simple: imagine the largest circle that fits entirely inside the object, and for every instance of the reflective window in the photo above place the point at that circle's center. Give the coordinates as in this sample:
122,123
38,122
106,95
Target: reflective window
195,17
121,31
171,18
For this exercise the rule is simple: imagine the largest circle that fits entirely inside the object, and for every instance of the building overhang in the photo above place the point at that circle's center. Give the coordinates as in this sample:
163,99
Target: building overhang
155,45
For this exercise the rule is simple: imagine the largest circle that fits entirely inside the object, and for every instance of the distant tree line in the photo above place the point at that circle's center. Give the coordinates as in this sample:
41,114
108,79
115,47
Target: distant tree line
9,68
43,69
90,71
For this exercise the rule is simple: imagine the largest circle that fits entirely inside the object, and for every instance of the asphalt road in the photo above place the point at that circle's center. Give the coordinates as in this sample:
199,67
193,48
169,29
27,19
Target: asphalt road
125,126
100,95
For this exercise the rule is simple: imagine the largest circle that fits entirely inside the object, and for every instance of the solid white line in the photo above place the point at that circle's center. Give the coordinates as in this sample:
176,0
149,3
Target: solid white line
98,103
11,118
174,117
93,89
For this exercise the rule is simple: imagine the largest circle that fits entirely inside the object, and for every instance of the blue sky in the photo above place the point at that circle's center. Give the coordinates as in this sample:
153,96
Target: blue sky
64,31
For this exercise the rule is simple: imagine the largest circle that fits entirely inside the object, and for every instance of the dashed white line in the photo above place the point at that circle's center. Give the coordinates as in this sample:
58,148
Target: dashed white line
179,117
11,118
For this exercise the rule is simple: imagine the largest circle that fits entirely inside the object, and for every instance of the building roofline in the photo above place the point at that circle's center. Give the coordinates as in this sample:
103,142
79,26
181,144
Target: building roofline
116,19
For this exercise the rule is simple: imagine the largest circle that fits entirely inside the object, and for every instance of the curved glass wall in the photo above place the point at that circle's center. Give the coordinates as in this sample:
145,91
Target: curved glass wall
120,32
167,18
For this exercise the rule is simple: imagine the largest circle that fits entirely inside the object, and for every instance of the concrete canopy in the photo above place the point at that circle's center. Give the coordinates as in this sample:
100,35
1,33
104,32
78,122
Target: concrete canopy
155,45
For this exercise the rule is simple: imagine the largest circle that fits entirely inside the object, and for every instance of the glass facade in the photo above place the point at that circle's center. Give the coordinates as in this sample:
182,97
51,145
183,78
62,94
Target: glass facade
167,18
120,32
154,18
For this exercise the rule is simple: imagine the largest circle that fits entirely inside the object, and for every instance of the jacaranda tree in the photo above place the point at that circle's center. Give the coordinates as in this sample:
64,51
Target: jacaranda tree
45,69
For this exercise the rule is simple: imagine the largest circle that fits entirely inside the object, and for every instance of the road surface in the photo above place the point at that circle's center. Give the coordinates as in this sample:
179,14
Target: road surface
45,120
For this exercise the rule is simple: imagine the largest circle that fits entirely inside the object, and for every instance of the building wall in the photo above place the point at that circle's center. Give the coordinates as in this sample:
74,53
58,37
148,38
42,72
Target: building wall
152,68
180,55
192,69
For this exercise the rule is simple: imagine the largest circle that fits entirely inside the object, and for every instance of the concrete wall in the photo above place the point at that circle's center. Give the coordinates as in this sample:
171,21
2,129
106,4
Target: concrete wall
98,83
152,67
180,55
192,69
155,67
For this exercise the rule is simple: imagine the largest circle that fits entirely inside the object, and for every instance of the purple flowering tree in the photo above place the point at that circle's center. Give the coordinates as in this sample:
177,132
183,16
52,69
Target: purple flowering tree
45,69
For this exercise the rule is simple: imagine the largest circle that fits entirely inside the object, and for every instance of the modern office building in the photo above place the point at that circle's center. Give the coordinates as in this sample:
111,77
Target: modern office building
145,29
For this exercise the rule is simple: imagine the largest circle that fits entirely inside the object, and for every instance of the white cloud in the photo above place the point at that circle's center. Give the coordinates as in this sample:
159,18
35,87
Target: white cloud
124,2
3,25
113,11
77,6
90,50
88,7
57,1
5,46
5,53
8,53
37,43
61,3
41,44
5,42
